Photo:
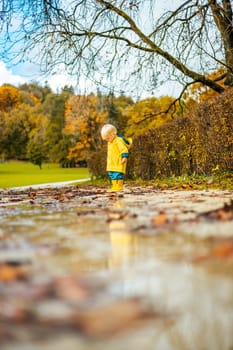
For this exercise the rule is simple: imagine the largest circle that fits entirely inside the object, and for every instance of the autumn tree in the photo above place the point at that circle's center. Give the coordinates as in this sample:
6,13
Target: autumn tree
84,119
13,135
47,121
21,119
112,43
9,98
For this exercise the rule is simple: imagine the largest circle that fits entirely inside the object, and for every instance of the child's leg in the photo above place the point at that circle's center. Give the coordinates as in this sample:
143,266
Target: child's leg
116,180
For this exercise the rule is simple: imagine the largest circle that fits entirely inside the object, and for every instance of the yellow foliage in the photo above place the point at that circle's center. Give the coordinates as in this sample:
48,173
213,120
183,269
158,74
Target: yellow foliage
215,168
147,114
9,97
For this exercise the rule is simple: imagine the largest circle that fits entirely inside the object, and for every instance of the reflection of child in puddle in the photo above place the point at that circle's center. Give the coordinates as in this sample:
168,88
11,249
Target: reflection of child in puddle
124,244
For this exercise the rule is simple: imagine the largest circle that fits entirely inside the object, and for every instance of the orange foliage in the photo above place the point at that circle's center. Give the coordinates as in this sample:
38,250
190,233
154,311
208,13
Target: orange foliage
84,118
9,97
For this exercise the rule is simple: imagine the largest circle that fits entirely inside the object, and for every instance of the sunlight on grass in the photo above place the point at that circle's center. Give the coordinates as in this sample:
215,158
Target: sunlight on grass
14,174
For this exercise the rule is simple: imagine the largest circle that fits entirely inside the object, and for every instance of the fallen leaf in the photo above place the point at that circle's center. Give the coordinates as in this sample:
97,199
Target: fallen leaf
221,251
160,220
11,273
223,214
186,186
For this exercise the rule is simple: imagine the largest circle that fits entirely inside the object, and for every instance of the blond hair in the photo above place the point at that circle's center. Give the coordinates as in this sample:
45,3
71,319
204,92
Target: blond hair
107,130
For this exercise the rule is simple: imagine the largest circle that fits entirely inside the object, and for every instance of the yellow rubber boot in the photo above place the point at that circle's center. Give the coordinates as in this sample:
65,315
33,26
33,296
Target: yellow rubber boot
119,186
114,186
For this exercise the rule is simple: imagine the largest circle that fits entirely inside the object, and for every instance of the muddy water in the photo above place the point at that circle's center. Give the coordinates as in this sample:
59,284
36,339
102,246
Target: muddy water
119,241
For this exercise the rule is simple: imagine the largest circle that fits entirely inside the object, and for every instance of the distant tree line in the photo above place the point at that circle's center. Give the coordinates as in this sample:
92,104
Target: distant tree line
196,136
41,126
32,122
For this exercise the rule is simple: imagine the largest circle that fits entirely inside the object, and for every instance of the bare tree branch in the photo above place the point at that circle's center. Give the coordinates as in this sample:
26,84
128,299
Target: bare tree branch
110,41
148,116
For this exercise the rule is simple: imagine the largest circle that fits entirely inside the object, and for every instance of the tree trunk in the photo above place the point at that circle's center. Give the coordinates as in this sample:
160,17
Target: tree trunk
223,18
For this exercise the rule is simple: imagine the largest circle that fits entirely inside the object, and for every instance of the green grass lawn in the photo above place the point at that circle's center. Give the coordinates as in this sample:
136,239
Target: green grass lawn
14,174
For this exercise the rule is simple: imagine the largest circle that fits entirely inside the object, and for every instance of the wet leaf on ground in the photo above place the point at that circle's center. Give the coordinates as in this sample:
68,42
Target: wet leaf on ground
11,272
223,214
221,251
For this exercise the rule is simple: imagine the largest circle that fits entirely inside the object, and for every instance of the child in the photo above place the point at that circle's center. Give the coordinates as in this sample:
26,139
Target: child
117,156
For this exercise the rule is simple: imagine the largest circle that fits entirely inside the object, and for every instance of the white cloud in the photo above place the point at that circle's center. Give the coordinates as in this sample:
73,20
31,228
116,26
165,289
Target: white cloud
7,76
58,81
55,81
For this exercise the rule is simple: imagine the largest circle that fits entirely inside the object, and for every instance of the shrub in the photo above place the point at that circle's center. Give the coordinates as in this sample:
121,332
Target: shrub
197,143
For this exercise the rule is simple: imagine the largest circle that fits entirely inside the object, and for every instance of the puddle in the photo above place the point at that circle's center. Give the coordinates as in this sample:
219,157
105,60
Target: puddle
111,243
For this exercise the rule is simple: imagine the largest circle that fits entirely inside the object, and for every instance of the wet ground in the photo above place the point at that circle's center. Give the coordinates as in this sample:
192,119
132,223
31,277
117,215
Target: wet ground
84,269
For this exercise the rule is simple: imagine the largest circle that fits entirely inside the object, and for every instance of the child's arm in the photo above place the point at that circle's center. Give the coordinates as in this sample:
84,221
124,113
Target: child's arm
123,150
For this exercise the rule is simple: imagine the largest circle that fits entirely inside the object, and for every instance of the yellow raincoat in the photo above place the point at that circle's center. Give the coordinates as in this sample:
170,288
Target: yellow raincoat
117,149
